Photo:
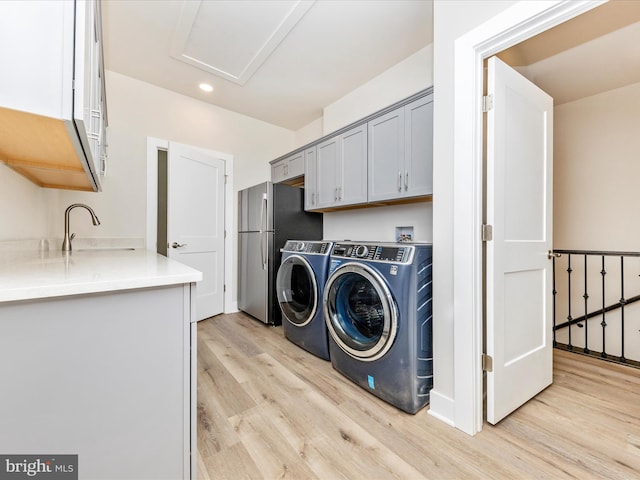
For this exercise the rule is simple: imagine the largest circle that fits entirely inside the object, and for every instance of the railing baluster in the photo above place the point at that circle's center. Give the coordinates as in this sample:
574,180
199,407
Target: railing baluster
603,272
622,304
569,319
586,310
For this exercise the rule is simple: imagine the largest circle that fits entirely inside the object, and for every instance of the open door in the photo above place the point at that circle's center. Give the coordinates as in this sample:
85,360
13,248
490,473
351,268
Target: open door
518,271
195,221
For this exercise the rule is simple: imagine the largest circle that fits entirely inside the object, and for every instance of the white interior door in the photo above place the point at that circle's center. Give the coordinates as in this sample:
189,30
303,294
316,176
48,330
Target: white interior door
195,221
518,271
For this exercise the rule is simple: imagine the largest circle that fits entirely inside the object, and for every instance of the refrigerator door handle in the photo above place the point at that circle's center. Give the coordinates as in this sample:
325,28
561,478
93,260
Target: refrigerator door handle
263,233
263,213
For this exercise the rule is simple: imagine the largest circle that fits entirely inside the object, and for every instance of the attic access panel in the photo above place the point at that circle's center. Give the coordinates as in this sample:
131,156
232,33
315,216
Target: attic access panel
232,39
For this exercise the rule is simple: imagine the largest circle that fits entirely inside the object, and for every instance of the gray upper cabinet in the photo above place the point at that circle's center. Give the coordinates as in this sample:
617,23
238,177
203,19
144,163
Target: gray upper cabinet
341,170
385,158
400,156
327,173
418,155
288,168
310,178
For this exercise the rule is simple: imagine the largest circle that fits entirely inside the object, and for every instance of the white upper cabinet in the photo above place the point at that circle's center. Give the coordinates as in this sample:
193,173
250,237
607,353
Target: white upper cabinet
52,103
400,152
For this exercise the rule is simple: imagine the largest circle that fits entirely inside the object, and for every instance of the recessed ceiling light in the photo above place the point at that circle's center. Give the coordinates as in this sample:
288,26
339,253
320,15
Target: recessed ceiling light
206,87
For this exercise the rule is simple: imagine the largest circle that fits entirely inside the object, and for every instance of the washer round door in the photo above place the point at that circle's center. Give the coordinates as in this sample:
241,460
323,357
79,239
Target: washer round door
360,312
297,290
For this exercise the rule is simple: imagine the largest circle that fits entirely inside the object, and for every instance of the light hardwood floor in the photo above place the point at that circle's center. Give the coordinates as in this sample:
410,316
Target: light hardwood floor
269,410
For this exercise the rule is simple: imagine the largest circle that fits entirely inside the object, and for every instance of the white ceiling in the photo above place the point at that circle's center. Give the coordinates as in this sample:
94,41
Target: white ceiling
277,61
603,64
593,53
282,61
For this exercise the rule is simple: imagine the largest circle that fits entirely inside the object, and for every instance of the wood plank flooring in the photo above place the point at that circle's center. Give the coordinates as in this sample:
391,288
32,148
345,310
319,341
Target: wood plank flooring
269,410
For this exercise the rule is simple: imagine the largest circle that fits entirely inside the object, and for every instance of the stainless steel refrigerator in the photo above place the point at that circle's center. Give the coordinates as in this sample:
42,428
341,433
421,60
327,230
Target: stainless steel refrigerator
269,215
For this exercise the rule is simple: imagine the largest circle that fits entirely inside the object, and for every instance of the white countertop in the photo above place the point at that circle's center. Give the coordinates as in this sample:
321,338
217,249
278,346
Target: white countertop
27,275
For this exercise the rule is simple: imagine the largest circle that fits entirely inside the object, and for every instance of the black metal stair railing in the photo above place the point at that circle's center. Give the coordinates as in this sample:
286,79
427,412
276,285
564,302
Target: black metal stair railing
580,342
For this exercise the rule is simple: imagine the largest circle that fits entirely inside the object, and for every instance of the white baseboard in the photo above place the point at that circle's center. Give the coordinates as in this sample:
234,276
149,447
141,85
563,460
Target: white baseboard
442,408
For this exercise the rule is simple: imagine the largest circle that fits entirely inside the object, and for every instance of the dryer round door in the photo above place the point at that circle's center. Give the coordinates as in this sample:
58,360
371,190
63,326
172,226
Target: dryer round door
297,290
360,312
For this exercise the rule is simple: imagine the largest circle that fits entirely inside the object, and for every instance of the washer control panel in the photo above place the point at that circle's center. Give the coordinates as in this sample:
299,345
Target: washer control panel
379,252
307,246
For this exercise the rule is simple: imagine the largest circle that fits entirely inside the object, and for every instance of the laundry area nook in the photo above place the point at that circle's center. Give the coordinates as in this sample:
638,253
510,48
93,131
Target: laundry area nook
319,239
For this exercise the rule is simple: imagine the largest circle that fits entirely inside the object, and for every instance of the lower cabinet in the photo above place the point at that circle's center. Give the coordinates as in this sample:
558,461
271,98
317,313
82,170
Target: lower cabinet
107,376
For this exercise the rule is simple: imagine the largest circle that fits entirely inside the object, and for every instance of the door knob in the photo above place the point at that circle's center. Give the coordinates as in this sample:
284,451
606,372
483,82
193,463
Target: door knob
178,245
551,254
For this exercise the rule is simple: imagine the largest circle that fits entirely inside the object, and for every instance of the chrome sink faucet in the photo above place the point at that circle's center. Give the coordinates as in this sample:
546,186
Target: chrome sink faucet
66,243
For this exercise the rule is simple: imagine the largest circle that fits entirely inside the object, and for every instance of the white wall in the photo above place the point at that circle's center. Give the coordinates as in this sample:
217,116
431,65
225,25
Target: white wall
380,223
23,207
410,76
309,133
452,19
596,198
596,172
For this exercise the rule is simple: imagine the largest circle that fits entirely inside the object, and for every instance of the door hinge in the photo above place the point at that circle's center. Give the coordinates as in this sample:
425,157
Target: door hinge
225,179
487,233
224,288
487,363
487,103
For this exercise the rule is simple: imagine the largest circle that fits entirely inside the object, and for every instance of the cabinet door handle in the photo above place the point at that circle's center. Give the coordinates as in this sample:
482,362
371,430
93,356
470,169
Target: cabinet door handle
335,194
313,199
406,181
399,181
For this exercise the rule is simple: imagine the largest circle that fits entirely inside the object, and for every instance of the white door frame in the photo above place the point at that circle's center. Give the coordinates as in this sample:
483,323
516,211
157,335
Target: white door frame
155,144
514,25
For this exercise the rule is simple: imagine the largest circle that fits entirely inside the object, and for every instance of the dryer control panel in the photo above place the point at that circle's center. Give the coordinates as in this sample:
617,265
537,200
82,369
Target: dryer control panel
307,246
366,251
